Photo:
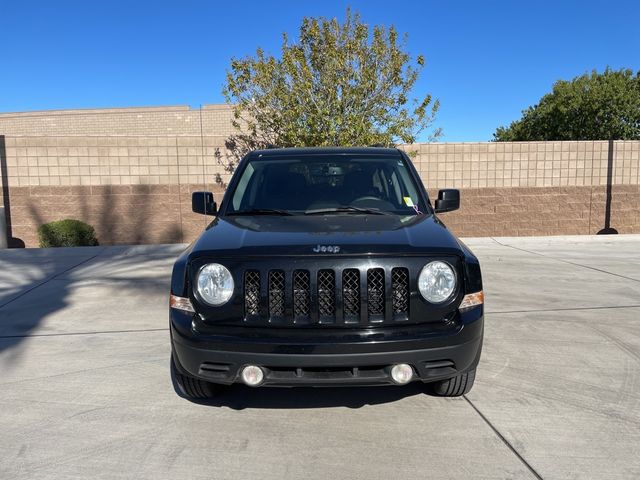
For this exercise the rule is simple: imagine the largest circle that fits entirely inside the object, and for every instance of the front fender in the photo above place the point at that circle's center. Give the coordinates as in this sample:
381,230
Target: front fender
179,274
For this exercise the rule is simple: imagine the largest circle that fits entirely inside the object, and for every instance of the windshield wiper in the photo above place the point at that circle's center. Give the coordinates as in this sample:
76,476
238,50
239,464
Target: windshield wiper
261,211
320,211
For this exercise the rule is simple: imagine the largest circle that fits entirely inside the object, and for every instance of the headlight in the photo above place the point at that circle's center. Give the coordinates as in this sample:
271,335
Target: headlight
214,284
437,282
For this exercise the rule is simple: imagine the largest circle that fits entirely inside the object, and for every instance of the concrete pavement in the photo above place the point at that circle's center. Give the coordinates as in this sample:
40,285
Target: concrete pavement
85,389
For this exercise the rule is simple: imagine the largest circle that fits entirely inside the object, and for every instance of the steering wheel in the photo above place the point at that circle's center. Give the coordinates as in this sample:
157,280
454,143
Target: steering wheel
367,197
370,201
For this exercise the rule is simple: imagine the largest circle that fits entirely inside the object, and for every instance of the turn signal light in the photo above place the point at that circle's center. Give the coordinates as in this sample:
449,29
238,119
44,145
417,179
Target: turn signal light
471,300
181,303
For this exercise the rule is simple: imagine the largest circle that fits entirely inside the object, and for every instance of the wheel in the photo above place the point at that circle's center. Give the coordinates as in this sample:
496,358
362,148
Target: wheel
456,386
191,387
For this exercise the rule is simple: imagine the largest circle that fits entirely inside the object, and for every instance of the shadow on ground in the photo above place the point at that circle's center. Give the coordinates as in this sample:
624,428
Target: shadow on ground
38,284
20,277
240,397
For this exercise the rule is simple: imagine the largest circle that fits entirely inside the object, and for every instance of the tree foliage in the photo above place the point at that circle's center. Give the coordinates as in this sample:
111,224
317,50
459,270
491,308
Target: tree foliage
337,84
596,106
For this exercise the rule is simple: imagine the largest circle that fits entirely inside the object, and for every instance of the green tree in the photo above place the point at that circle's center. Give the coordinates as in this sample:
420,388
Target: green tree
338,84
596,106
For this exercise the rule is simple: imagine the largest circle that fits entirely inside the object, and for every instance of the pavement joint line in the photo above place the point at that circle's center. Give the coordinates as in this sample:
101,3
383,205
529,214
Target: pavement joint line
565,261
503,439
84,370
67,334
563,309
47,280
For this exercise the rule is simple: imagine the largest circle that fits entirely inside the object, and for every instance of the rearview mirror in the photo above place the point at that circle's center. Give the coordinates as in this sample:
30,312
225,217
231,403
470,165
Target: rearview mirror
448,200
202,202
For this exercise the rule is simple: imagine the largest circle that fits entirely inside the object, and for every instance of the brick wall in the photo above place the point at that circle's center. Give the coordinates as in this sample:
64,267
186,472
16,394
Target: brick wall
170,120
526,164
131,189
113,160
535,188
527,211
135,188
121,214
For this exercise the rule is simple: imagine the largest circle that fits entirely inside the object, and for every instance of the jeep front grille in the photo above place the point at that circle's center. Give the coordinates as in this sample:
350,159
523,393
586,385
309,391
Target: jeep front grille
251,293
328,296
400,292
375,293
301,294
276,293
351,295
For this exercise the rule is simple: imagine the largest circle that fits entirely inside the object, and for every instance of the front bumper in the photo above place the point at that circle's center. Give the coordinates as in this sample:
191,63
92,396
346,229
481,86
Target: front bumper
318,356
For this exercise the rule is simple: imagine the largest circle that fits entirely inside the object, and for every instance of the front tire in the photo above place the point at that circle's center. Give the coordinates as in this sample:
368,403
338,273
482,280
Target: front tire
191,387
455,386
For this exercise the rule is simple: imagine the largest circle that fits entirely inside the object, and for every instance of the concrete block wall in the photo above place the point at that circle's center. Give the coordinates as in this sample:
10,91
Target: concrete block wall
131,189
121,214
526,164
132,180
168,120
535,188
113,160
544,211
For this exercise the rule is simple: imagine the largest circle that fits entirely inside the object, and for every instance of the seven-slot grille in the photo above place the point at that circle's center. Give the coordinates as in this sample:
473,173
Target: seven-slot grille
400,291
252,293
351,295
276,293
328,296
301,295
375,294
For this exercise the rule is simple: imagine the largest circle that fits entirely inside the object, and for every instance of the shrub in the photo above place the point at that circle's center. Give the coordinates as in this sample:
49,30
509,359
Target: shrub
67,233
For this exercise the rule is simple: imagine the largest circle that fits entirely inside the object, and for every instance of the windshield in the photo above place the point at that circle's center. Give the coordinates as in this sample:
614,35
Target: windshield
331,184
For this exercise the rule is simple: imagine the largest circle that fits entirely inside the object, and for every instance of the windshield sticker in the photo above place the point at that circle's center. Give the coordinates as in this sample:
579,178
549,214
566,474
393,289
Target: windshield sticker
409,203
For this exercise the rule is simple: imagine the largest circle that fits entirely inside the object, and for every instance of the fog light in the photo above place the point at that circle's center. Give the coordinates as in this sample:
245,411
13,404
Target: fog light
252,375
401,373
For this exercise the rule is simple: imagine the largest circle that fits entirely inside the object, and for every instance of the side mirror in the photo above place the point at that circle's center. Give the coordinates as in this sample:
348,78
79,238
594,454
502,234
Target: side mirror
202,202
448,200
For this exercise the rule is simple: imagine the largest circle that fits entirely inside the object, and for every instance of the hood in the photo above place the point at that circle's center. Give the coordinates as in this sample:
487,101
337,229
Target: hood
300,235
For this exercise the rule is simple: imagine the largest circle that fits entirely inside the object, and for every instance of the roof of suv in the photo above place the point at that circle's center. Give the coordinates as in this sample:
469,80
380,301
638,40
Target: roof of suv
325,150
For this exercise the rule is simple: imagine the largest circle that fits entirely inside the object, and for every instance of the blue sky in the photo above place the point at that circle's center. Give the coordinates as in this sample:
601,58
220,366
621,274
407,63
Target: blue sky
486,61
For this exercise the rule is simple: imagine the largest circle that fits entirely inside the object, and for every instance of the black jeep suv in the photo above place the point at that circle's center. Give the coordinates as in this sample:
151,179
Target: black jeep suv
326,266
